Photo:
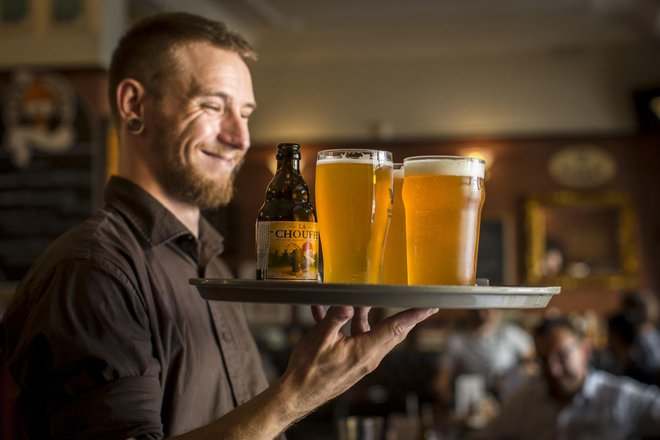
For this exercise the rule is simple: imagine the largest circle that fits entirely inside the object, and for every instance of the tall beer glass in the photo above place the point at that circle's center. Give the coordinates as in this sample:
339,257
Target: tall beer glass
353,206
395,269
443,197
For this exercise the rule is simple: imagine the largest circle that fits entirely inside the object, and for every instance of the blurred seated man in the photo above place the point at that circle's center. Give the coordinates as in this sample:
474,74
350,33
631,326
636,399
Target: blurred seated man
640,308
488,347
573,401
627,358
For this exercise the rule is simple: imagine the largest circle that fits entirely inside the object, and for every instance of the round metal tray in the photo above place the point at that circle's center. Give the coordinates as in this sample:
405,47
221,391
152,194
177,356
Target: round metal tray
375,295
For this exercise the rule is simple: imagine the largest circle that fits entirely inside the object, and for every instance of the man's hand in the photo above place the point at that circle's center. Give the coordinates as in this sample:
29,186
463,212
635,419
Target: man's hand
326,362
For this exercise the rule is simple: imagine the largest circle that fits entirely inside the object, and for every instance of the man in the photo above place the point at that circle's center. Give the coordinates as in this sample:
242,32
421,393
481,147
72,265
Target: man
105,338
573,401
640,308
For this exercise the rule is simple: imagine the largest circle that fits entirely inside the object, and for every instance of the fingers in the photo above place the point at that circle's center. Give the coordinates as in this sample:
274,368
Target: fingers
394,329
318,313
412,317
386,334
360,322
335,318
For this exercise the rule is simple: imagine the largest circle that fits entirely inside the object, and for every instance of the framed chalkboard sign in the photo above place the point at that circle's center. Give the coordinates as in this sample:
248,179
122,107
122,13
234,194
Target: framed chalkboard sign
50,167
494,255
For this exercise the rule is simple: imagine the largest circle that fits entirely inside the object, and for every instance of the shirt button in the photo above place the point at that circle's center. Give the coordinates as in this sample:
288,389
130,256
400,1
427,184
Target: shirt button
226,336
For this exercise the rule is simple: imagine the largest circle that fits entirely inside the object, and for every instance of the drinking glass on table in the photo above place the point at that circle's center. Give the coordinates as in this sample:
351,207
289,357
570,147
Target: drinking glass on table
443,197
395,270
353,206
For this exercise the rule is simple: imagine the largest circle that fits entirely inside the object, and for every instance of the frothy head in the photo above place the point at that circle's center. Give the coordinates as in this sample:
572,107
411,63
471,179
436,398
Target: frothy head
356,156
444,166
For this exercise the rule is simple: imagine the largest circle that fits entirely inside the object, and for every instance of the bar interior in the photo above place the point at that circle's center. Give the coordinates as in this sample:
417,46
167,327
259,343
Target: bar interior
560,99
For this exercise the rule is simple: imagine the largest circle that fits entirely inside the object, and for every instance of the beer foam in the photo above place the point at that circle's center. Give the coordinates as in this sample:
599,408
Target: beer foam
444,167
344,160
397,173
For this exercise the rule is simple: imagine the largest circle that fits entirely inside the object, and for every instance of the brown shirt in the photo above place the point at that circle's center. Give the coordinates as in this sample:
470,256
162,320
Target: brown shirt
106,338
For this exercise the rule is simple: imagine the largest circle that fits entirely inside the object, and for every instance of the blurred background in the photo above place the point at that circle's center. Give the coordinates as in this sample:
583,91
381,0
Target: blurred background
561,98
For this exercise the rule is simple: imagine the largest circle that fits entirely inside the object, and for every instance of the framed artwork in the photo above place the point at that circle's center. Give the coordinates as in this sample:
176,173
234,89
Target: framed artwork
50,163
581,239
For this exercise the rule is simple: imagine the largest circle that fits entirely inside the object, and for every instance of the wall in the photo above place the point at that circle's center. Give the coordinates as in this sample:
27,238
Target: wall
516,94
87,38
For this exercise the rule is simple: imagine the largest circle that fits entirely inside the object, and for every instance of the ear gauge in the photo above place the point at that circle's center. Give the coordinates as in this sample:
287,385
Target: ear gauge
135,125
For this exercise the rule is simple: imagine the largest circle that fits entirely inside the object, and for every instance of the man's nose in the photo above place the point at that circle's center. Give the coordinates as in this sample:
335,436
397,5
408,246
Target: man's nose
555,367
234,131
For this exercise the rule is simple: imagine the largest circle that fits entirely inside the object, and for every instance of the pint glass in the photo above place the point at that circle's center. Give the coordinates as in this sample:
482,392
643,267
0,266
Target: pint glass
443,197
353,206
394,260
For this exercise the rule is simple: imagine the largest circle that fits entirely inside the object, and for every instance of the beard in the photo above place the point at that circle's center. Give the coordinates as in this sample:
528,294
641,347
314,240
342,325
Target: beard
183,181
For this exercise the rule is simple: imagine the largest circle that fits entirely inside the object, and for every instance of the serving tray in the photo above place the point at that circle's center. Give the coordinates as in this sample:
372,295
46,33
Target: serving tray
375,295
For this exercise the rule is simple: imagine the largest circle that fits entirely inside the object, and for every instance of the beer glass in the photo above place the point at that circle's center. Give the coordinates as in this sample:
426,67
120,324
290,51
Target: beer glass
443,197
353,206
395,269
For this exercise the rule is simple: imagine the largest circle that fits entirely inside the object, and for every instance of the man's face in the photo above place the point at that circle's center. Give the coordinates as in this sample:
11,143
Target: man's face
200,125
564,360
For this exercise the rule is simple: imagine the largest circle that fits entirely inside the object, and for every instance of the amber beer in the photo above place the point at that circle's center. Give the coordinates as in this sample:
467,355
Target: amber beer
443,197
395,270
353,204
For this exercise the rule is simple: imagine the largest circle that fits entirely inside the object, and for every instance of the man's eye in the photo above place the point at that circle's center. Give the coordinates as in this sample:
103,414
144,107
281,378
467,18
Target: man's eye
212,107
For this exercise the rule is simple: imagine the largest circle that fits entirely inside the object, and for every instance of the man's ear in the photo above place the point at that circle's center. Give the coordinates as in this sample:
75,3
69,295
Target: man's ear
130,97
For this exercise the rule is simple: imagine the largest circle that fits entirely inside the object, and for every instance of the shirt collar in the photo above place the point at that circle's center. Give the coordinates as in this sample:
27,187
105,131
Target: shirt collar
154,222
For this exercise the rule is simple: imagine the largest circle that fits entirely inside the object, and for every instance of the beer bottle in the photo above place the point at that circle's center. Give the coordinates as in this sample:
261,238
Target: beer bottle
287,235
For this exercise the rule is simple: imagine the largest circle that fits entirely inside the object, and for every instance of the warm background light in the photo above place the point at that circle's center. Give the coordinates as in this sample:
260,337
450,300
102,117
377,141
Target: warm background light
480,153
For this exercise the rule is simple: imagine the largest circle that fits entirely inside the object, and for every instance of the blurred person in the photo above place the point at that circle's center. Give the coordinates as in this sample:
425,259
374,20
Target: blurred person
634,338
489,347
641,308
105,337
621,340
573,401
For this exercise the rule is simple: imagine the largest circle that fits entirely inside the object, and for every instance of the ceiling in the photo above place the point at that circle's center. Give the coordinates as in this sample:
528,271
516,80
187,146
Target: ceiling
317,31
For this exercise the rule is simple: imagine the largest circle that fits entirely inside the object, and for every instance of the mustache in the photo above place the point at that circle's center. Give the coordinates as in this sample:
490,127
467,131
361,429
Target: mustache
225,152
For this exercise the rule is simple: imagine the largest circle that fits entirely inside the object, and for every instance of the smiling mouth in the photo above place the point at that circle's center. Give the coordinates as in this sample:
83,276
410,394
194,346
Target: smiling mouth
219,156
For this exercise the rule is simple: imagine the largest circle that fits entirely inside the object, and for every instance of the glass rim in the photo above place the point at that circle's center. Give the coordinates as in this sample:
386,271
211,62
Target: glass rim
339,153
353,150
443,157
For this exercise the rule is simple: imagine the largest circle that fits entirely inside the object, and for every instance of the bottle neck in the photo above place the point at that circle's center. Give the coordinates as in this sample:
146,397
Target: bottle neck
288,164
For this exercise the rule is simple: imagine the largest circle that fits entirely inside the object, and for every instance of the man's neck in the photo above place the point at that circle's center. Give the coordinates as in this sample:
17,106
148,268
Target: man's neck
184,212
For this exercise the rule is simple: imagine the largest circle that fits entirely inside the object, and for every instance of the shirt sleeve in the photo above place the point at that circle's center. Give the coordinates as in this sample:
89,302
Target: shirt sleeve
86,340
642,406
521,339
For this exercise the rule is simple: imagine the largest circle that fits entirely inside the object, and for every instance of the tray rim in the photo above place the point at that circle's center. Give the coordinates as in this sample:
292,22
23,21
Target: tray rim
376,295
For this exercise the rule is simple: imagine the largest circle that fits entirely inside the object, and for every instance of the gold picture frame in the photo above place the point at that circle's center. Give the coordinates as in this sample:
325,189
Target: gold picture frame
581,239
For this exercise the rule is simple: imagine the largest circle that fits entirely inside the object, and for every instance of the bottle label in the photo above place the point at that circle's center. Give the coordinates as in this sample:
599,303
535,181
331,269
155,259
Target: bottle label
288,250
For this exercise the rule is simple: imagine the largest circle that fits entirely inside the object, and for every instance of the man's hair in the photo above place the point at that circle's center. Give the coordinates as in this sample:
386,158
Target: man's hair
547,325
146,52
621,325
